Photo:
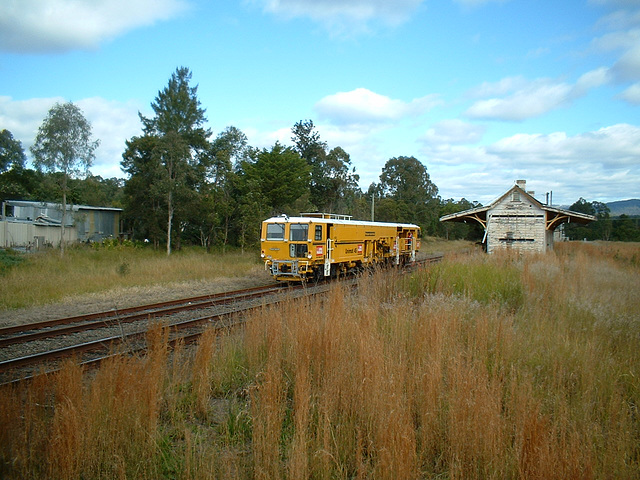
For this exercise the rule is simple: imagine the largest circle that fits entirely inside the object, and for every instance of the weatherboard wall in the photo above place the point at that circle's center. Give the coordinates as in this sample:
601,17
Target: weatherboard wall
516,223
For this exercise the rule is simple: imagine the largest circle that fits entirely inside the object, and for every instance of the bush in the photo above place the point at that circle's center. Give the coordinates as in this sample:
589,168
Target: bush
8,259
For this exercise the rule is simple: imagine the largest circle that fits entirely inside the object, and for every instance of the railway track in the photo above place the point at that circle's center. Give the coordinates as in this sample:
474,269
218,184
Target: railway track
30,349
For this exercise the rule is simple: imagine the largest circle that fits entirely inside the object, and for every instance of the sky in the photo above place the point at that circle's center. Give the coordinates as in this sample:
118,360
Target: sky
482,92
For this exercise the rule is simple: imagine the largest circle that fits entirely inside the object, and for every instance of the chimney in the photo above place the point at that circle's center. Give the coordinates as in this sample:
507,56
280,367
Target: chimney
522,184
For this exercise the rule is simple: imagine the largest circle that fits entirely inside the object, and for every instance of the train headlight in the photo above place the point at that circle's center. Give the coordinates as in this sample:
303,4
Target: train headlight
309,256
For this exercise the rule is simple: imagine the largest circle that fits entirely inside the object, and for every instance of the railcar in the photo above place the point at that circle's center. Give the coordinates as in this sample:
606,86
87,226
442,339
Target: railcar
319,245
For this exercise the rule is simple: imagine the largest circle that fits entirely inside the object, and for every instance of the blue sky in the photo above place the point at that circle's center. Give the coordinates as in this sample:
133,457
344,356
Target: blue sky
482,92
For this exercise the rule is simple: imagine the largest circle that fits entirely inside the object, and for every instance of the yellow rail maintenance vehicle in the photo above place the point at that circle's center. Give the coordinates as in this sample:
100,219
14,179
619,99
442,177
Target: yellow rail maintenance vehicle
318,245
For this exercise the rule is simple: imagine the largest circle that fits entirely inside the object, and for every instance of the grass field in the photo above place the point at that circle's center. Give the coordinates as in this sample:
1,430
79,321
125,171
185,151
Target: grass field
45,277
478,367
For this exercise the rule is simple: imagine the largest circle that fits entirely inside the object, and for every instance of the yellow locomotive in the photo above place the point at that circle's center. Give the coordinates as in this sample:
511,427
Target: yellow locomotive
317,245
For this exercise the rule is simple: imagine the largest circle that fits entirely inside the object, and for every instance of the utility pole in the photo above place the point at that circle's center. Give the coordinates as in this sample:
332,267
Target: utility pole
373,196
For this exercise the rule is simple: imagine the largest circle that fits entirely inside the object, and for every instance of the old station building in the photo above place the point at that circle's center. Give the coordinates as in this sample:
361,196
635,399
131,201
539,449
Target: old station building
518,221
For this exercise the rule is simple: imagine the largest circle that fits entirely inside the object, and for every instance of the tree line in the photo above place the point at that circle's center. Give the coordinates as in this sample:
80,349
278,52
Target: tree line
186,186
623,228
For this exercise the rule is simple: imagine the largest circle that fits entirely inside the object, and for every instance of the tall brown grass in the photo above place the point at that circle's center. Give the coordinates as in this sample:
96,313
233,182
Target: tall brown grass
479,367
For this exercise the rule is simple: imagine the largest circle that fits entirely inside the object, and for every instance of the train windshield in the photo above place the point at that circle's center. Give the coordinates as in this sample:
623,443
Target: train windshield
299,232
275,231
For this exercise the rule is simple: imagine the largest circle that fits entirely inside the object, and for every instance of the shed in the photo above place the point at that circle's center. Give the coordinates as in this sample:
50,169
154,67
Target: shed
516,220
28,223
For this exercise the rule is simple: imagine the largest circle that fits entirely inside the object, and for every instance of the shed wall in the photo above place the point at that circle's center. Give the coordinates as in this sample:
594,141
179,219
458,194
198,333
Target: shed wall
518,225
29,235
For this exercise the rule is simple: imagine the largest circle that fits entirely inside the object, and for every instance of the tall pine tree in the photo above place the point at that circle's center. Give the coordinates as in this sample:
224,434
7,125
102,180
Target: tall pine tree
175,142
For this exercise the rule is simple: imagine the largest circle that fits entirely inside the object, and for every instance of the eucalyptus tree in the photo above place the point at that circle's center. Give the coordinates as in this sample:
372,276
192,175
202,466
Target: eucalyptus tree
12,160
176,142
11,152
228,151
64,144
413,197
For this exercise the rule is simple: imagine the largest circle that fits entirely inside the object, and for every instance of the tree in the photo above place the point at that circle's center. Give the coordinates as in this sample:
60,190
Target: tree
280,175
626,229
405,181
307,141
64,143
12,160
177,142
456,230
333,182
11,152
144,205
227,152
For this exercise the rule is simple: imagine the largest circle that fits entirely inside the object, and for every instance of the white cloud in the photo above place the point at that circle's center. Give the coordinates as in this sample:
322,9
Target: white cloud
61,25
517,99
617,40
628,66
112,123
600,165
614,147
23,117
343,16
501,87
537,98
590,80
455,132
632,94
362,106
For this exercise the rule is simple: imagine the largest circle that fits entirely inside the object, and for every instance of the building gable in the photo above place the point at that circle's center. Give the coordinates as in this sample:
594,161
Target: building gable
517,220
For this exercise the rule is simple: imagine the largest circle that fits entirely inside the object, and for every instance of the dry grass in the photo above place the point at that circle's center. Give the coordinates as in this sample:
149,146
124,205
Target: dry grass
479,367
51,278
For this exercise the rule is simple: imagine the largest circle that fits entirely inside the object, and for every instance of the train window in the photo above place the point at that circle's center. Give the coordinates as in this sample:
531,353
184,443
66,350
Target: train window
275,231
318,233
298,250
299,232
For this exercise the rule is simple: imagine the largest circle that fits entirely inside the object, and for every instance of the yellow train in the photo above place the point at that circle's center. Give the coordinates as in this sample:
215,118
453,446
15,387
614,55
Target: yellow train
318,245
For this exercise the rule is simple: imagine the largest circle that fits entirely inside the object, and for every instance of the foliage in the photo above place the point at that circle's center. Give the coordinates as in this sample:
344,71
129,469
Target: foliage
279,175
333,182
10,259
452,231
407,194
622,228
11,152
167,159
64,144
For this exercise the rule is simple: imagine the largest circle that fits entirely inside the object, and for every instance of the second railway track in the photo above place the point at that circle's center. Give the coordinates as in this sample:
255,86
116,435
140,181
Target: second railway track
26,347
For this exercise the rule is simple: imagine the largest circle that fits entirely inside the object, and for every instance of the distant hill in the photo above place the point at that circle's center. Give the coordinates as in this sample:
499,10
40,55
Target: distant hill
627,207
